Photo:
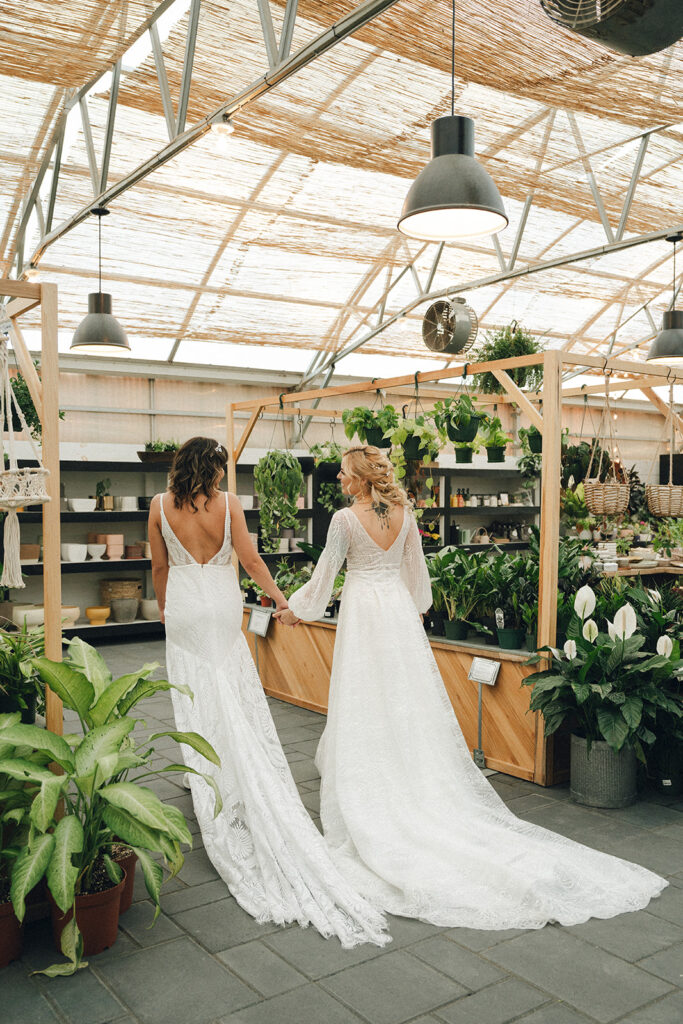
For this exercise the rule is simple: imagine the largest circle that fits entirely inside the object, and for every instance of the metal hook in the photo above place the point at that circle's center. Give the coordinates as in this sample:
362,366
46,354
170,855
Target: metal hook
282,393
465,370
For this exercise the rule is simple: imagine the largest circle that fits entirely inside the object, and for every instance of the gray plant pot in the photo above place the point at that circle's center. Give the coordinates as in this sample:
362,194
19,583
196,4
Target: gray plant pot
603,778
124,609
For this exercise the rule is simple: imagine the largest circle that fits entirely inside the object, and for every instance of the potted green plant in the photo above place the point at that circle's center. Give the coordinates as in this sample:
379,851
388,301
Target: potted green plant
413,440
465,450
16,798
20,685
326,487
161,452
506,343
25,403
457,418
492,437
529,613
102,809
248,588
370,425
532,439
104,500
612,693
278,480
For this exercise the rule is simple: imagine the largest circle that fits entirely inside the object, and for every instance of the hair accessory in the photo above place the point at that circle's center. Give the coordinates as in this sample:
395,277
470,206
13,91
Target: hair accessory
219,448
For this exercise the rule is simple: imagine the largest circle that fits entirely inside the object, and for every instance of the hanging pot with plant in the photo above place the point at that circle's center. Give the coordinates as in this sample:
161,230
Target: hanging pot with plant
372,426
413,440
494,439
278,480
531,439
506,343
457,418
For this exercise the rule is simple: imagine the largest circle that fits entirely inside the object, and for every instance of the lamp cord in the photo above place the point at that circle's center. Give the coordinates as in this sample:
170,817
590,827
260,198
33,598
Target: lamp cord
673,283
99,252
453,64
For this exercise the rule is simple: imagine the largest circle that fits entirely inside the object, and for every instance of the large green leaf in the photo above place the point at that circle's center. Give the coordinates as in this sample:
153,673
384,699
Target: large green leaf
143,804
72,947
29,868
147,688
11,719
45,802
194,740
209,779
22,768
153,875
177,826
613,727
105,739
582,692
131,831
632,710
61,872
115,691
93,666
71,686
40,739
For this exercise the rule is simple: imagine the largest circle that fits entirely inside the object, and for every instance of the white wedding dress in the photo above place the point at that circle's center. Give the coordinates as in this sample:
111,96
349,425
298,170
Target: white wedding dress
263,843
411,822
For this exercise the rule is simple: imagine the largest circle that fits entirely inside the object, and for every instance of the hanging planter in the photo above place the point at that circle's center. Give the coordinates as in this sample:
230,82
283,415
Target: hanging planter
278,480
494,439
463,453
666,500
610,496
533,438
369,425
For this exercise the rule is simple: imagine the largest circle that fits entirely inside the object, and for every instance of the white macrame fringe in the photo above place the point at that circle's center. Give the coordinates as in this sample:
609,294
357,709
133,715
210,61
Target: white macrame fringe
11,570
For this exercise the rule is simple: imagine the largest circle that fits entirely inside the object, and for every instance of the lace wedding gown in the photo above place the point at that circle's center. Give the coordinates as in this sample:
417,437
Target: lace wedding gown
263,843
410,820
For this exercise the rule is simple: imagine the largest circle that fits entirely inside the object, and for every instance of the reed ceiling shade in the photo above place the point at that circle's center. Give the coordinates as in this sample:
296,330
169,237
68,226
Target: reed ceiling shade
285,233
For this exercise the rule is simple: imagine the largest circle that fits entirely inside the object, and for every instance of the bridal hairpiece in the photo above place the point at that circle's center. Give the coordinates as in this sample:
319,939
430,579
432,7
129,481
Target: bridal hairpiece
219,448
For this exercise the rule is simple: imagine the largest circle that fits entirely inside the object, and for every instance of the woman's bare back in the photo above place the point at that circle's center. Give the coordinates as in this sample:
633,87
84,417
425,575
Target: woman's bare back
201,533
383,529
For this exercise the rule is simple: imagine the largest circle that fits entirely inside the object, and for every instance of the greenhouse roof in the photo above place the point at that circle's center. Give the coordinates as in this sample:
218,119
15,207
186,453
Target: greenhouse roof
282,235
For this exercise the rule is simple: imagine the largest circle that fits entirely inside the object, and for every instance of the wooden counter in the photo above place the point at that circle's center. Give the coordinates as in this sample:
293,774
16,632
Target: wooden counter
294,666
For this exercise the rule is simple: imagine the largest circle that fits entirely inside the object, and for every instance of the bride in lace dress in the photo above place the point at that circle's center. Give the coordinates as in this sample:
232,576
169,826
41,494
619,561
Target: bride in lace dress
263,843
410,820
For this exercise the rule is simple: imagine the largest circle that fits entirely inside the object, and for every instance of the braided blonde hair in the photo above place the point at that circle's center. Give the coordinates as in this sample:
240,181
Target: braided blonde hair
371,466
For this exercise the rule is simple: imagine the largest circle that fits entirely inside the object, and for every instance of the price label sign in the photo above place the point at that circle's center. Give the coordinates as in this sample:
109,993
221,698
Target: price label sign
484,670
259,620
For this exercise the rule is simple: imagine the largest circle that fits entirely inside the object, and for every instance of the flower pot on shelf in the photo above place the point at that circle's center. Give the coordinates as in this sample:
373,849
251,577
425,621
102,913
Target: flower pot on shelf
455,629
601,778
463,455
530,641
495,454
510,639
373,435
265,601
437,622
98,614
124,609
11,935
160,458
149,608
97,917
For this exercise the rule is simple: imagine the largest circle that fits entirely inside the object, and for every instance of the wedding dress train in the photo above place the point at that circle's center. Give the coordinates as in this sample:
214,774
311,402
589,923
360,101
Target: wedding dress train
410,820
263,843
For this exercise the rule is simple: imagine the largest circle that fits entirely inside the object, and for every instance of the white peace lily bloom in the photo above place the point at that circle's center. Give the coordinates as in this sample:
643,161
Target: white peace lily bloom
570,649
625,623
556,654
654,596
590,630
584,602
665,646
613,635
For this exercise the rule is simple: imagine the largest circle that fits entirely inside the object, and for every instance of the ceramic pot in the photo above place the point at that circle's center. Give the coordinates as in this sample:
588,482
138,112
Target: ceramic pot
114,552
495,454
74,552
455,629
69,615
97,614
133,551
265,601
31,614
29,553
283,546
510,639
144,504
124,609
601,778
147,549
97,917
82,504
96,551
11,935
149,609
105,503
246,501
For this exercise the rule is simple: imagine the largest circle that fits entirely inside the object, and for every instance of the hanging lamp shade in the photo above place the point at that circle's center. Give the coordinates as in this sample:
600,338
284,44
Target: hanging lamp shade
453,196
667,348
99,332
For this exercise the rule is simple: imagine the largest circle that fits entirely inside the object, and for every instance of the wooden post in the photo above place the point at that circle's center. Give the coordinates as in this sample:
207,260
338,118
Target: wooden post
232,465
52,580
550,533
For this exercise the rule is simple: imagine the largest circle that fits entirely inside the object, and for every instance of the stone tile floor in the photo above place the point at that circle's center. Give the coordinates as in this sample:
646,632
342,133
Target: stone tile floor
207,962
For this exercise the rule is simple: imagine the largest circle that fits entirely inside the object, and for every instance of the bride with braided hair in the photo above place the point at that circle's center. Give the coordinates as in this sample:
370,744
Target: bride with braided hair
409,819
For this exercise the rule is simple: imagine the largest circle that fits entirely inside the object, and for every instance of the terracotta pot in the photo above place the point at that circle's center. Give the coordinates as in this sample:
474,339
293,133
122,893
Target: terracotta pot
266,601
97,917
11,935
127,861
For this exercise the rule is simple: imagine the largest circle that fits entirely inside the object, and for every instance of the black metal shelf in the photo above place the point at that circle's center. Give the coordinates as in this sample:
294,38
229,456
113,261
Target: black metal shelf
497,510
116,630
94,565
466,468
511,545
89,517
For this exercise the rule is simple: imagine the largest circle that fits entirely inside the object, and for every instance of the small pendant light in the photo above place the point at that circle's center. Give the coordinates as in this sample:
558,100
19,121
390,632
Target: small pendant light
453,196
99,332
667,348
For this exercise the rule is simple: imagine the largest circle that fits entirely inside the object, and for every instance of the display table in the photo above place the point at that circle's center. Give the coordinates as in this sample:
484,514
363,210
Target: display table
294,665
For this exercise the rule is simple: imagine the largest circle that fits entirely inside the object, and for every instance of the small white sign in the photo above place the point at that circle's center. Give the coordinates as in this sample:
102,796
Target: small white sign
484,670
259,620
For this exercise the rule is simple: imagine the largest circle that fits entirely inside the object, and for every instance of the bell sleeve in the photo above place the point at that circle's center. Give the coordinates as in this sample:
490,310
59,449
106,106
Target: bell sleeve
414,572
310,601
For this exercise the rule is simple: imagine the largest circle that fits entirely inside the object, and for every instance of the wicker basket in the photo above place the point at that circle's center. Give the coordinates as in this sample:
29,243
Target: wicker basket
606,498
111,590
665,499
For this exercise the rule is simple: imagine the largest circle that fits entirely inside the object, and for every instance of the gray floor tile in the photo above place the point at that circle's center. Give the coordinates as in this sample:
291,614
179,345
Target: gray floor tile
312,801
406,930
630,936
668,905
647,815
392,988
460,964
264,970
22,1000
175,983
667,964
295,755
664,856
197,868
556,1014
138,924
496,1004
315,956
219,925
668,1010
195,896
303,771
477,939
295,734
83,999
307,747
306,1005
528,802
590,980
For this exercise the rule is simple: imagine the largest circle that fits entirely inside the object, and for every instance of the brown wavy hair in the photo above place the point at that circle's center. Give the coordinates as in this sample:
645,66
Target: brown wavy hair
196,470
372,466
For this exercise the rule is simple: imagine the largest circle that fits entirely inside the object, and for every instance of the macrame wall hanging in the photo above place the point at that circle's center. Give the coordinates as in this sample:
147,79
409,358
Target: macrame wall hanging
25,486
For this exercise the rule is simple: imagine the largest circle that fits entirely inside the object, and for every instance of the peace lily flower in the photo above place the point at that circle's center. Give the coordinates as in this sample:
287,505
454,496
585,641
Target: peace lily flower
570,649
590,630
584,602
624,625
654,595
665,646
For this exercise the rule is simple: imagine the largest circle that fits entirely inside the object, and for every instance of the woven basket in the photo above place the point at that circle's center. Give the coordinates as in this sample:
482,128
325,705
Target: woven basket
664,499
606,498
112,590
23,487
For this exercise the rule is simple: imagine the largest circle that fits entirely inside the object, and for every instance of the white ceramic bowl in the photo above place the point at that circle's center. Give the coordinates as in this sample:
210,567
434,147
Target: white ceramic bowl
31,614
96,551
69,615
82,504
74,552
149,609
246,501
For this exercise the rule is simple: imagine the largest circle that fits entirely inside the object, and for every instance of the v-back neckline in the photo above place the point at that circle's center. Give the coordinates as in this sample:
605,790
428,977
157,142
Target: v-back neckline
385,551
180,543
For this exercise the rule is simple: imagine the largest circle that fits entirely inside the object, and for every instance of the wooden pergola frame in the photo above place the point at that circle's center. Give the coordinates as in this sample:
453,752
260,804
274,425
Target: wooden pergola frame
24,296
549,424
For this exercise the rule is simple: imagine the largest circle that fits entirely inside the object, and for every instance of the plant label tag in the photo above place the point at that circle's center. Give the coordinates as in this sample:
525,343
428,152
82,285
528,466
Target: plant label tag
259,621
484,670
500,618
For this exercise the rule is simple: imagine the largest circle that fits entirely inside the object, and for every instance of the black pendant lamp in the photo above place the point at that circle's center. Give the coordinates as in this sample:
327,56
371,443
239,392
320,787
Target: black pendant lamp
99,332
667,348
453,196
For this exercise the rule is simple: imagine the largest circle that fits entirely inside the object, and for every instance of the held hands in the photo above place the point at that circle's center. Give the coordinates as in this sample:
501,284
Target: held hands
286,617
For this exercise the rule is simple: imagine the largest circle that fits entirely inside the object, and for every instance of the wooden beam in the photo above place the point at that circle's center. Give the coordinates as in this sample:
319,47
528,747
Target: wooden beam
518,396
15,307
668,375
232,465
246,434
19,289
632,383
662,407
550,532
26,367
52,578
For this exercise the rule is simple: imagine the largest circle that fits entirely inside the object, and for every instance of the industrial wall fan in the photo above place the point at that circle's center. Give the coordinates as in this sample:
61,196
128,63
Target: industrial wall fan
449,326
635,27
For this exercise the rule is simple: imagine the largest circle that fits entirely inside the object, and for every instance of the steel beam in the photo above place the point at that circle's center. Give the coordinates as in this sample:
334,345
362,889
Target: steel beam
590,177
111,117
162,77
635,175
268,32
287,29
188,63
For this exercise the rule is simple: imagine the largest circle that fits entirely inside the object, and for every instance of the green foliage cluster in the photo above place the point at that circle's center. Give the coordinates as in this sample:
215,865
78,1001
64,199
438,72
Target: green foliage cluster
278,480
505,343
